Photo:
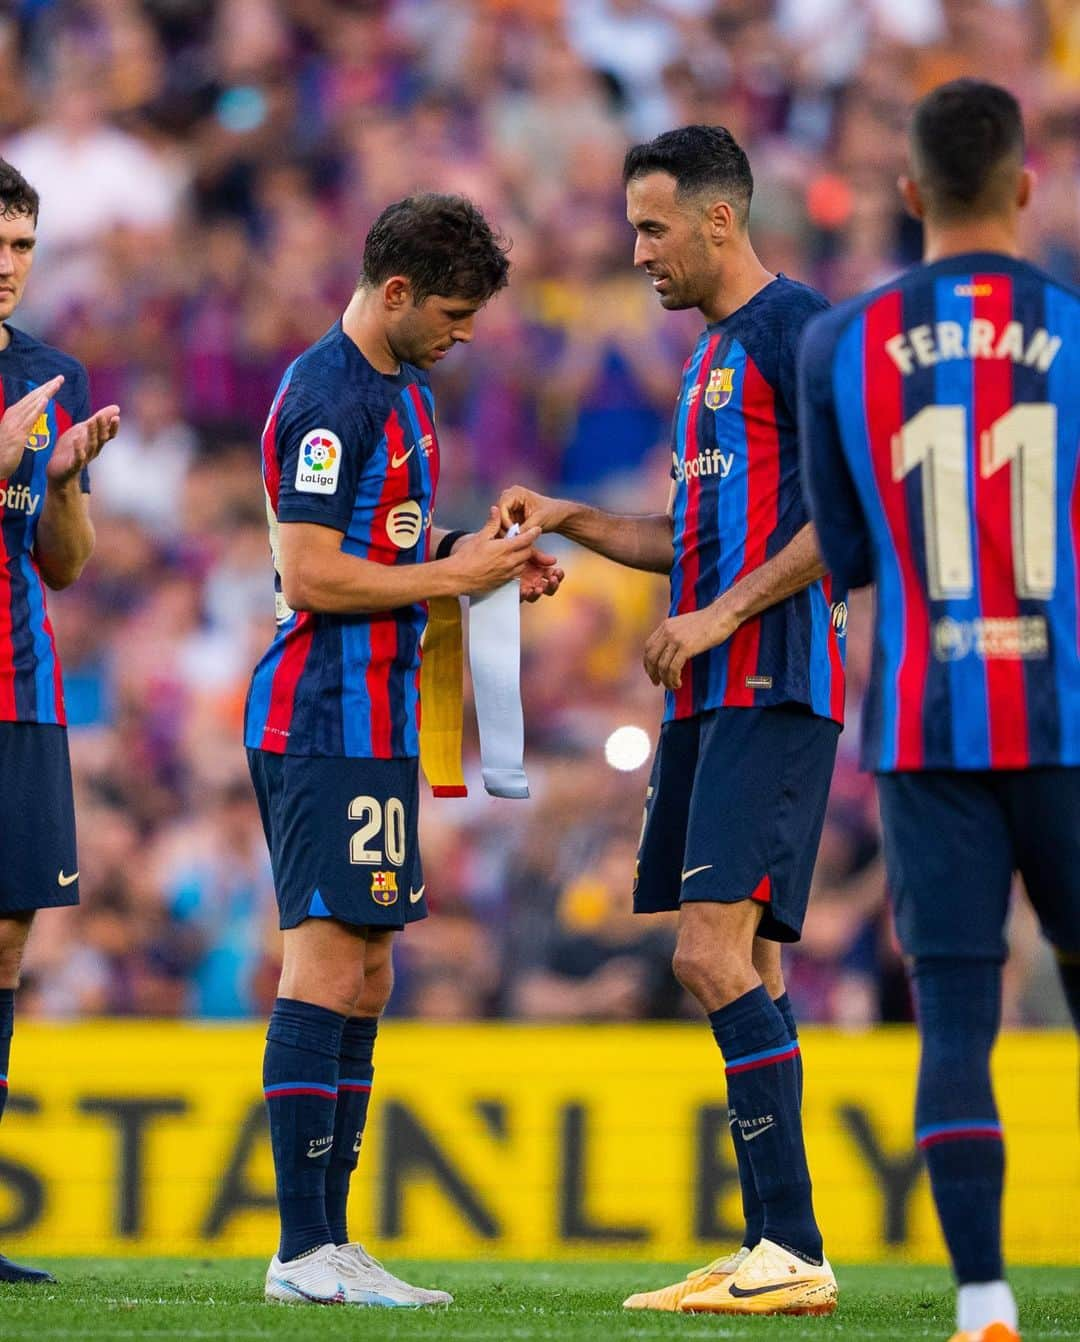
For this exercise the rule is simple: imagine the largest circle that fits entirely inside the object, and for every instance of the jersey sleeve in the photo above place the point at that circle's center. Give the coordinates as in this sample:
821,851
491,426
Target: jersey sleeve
828,487
810,305
320,450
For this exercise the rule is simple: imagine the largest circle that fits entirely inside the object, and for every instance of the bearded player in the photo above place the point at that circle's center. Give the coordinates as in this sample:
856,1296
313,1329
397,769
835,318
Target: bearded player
750,659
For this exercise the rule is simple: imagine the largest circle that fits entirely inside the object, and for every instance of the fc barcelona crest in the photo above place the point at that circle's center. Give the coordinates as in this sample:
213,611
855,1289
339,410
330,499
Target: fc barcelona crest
720,389
384,887
39,437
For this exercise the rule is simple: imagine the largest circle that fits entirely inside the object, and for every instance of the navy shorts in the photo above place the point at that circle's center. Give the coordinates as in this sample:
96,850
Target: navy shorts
734,811
41,867
952,843
343,837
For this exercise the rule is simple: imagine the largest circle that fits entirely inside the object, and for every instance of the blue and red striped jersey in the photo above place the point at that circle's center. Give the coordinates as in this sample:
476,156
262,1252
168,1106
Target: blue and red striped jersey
30,683
738,502
941,426
346,447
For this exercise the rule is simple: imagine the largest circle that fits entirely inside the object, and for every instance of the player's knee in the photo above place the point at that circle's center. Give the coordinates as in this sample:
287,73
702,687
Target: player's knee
697,970
714,974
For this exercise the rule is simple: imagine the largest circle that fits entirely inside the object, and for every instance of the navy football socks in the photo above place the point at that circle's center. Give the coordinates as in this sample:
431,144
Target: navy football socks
7,1025
355,1077
956,1120
762,1073
300,1077
753,1212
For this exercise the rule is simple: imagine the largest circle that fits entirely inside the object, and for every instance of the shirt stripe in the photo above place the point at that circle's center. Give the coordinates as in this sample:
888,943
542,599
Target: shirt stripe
993,398
689,530
884,419
290,667
763,492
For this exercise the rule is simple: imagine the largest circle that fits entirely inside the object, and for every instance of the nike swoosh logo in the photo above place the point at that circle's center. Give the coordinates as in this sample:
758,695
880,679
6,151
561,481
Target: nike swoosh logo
415,896
749,1136
694,871
740,1294
61,879
397,460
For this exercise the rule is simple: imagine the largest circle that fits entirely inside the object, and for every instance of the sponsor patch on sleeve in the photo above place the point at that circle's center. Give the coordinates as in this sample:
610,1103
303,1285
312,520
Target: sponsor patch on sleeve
319,462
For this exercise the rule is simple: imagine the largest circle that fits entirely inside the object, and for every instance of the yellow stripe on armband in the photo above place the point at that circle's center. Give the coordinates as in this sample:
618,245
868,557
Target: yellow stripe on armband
442,699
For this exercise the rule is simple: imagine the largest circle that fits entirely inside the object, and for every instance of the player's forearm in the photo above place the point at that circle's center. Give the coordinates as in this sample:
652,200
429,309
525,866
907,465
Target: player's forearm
65,535
347,585
796,566
638,542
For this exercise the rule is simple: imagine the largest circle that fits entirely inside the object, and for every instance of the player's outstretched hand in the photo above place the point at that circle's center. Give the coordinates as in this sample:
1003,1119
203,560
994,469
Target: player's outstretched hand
485,560
79,445
541,576
18,422
528,508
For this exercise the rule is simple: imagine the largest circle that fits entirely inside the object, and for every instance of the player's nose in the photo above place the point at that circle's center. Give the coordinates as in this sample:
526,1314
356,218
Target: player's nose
643,251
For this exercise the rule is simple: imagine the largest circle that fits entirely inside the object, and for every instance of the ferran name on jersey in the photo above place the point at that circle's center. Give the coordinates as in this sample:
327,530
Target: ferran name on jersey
318,462
721,388
384,887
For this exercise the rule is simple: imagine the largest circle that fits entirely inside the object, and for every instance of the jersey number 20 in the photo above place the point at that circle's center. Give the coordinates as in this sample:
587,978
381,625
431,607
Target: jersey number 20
370,812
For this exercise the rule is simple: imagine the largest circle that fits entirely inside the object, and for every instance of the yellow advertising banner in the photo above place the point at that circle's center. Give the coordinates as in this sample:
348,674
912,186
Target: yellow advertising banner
503,1141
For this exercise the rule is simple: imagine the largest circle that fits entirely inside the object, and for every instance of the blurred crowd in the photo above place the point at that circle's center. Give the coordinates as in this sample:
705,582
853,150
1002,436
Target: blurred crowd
208,170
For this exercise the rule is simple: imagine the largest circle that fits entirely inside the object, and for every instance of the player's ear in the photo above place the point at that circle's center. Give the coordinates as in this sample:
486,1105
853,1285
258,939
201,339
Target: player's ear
721,219
912,197
1025,187
397,293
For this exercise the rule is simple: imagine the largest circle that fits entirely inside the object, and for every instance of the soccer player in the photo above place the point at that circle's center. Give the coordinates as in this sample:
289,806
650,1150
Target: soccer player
750,659
47,438
941,424
350,467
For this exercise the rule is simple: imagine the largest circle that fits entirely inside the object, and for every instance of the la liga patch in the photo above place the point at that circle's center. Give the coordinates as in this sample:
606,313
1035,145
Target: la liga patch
319,462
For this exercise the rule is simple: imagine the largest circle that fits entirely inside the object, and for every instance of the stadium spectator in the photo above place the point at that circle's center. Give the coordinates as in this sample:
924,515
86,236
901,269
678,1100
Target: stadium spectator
239,138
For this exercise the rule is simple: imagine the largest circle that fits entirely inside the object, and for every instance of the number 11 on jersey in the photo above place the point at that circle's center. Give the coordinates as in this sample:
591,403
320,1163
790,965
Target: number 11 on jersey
936,438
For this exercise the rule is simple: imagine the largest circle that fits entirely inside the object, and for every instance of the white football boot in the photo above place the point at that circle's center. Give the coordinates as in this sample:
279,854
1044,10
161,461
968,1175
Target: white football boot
369,1269
332,1276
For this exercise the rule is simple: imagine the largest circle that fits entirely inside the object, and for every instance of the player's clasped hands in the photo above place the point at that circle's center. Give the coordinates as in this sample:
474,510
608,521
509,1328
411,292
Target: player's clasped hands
18,422
79,445
519,506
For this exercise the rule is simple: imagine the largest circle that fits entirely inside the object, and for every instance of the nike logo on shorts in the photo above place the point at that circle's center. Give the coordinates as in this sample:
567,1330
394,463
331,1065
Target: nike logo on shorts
415,896
694,871
63,880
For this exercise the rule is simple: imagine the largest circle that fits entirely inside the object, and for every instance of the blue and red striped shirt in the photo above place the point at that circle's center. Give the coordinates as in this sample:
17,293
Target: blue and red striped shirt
738,502
30,683
942,462
350,448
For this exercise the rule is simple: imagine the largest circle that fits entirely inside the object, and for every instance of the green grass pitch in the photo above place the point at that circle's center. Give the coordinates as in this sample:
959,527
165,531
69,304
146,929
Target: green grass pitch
118,1299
